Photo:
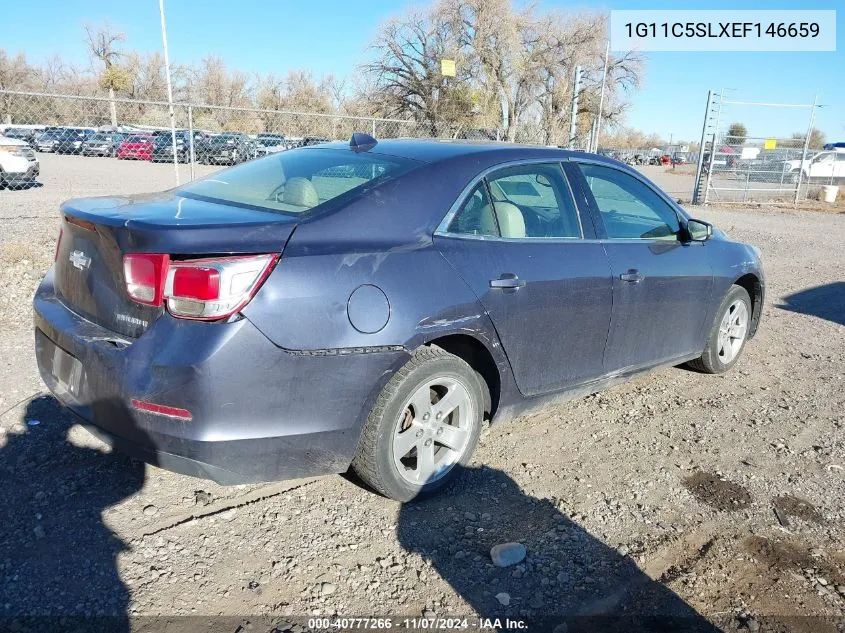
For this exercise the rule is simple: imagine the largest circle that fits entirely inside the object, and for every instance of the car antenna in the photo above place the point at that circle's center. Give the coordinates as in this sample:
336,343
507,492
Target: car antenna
361,142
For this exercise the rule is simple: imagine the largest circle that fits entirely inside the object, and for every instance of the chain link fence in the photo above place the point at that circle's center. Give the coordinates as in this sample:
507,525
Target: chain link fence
211,134
737,164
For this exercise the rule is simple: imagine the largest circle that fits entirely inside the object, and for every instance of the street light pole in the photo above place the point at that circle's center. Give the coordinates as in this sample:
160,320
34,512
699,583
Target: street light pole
169,91
601,98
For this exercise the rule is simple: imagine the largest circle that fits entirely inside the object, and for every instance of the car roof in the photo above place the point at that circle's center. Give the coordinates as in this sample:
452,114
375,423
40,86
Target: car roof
435,150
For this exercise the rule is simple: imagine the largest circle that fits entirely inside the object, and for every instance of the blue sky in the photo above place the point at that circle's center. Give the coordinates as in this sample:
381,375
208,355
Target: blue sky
331,36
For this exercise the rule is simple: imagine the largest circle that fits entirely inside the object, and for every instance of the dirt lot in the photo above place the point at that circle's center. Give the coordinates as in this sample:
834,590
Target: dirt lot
713,499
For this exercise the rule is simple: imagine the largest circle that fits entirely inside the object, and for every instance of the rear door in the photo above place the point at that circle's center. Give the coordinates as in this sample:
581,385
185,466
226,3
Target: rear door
518,240
661,285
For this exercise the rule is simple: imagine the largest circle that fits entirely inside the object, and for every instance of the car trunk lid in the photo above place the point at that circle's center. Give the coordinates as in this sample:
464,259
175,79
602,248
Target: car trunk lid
98,232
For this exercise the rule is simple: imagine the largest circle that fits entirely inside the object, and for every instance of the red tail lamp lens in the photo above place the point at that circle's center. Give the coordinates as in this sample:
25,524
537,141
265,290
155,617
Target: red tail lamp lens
202,284
145,275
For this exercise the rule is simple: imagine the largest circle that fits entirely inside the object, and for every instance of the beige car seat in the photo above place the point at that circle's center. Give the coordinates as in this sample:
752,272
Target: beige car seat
511,222
300,192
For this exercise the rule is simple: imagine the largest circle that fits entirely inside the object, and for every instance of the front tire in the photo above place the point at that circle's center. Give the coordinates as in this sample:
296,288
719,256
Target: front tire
424,426
793,177
727,335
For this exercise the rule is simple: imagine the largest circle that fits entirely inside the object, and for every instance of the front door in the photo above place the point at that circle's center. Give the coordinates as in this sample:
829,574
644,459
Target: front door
661,284
518,242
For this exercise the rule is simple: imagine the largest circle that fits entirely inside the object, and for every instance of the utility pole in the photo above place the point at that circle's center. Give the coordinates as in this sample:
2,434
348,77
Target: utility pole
576,89
601,98
169,91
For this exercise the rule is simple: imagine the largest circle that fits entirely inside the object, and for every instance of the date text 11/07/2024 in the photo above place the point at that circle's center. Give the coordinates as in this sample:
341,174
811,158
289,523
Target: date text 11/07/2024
416,624
722,29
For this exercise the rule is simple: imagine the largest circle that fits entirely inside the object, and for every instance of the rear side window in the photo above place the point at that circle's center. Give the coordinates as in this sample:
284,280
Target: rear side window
298,181
629,208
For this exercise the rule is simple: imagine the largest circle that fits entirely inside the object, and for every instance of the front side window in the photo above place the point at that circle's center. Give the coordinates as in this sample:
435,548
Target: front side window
629,208
534,201
298,180
526,201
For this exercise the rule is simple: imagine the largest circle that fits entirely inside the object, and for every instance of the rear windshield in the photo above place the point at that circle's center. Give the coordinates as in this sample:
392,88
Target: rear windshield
298,180
138,139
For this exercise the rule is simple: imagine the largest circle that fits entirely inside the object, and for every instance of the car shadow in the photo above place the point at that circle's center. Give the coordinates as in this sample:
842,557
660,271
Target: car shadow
826,302
58,557
569,581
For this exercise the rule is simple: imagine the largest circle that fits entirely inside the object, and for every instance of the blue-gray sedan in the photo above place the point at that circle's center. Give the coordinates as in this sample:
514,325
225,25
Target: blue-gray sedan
370,304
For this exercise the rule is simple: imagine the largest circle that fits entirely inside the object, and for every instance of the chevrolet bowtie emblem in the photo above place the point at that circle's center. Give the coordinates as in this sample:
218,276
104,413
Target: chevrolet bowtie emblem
79,260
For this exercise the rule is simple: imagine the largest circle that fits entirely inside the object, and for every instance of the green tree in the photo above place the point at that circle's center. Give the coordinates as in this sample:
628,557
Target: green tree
737,133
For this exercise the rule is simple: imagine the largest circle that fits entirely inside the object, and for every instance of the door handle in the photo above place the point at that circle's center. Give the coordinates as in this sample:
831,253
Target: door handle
507,280
632,276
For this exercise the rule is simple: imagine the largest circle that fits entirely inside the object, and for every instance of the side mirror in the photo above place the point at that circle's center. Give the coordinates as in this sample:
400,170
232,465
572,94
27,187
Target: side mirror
699,230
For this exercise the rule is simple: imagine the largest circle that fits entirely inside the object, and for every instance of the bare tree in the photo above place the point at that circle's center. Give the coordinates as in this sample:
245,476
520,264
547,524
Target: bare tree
102,42
14,72
406,77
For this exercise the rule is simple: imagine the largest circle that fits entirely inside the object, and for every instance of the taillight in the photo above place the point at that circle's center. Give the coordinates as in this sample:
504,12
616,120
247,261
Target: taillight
214,288
145,275
206,289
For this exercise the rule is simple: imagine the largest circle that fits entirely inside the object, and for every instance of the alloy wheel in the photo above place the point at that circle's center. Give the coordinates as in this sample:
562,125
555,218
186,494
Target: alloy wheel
732,331
433,430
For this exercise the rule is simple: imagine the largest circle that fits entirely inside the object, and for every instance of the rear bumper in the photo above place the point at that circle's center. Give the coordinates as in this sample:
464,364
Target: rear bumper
260,413
140,154
97,151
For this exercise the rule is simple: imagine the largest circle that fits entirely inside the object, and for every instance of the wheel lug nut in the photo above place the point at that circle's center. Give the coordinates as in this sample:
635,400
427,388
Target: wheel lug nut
438,416
440,431
428,442
426,416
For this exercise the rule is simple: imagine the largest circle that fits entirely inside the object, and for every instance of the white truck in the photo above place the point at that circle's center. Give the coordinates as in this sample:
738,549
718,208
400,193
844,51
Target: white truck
824,167
18,163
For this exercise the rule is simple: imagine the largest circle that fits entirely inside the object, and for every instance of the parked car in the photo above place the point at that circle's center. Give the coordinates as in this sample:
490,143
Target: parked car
826,166
103,144
267,144
18,163
71,139
314,140
327,306
137,146
27,135
227,149
679,159
834,146
47,141
163,145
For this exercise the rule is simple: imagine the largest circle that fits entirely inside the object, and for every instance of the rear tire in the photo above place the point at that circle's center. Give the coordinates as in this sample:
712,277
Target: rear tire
728,334
411,447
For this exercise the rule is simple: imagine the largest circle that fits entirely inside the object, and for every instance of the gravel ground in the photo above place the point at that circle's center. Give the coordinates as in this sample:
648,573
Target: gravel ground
719,499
